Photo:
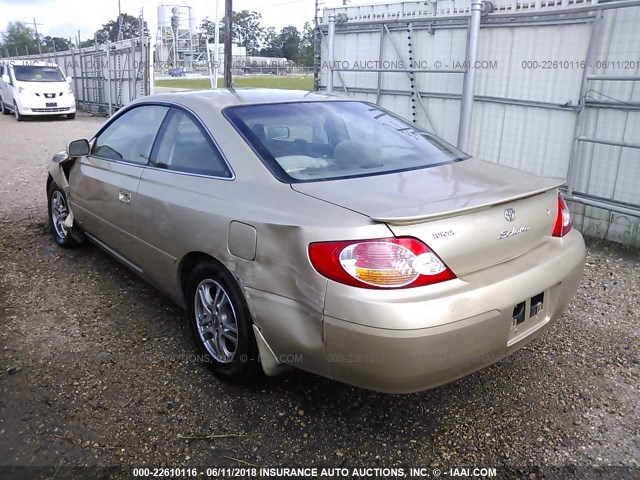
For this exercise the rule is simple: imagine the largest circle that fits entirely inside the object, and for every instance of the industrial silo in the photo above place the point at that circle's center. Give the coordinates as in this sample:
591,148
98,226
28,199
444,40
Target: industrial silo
177,38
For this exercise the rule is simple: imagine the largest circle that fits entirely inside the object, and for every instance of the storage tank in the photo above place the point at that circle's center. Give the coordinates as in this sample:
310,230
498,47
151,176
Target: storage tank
177,40
193,21
186,18
163,19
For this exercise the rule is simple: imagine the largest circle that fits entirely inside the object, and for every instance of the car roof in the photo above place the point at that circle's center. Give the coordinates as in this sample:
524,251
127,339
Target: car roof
221,98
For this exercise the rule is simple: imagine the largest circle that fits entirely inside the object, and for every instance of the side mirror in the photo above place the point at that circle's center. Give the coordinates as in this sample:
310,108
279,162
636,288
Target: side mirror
69,79
6,79
278,132
78,148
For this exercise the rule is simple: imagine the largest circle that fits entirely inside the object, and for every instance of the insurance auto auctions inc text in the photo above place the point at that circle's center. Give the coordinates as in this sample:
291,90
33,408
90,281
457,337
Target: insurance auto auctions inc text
373,472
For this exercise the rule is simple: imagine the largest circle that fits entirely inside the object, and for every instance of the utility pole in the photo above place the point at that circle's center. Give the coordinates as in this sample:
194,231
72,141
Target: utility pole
228,58
120,32
35,26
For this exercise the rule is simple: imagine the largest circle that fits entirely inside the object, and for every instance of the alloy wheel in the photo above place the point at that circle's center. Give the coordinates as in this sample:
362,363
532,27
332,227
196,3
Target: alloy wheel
216,320
59,213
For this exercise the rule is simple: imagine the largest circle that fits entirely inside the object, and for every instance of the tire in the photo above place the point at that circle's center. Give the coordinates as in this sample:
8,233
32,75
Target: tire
16,112
5,110
214,297
58,210
71,116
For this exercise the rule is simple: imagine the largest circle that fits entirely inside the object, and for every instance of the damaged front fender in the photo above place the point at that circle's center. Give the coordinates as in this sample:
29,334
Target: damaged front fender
59,169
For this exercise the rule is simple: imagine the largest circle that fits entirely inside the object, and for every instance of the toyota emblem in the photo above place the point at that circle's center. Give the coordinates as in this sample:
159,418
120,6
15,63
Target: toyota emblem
510,214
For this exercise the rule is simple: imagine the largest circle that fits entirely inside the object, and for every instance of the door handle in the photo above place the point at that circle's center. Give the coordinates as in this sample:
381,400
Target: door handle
124,196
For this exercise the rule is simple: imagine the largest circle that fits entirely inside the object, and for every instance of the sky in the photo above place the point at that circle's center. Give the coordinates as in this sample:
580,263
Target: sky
63,18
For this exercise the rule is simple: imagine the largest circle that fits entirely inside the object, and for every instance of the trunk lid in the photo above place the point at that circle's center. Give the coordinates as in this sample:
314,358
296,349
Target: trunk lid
473,214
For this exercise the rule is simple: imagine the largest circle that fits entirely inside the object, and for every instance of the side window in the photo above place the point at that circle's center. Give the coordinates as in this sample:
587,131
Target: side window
130,137
184,146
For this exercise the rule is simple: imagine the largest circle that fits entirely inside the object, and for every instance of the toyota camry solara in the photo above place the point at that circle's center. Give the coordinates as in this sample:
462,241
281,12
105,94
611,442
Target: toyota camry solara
326,234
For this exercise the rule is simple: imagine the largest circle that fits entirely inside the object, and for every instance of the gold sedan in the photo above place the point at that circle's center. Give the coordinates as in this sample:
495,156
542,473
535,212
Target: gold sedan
303,230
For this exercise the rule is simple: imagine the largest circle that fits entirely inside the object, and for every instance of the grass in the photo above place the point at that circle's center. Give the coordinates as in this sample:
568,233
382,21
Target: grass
284,81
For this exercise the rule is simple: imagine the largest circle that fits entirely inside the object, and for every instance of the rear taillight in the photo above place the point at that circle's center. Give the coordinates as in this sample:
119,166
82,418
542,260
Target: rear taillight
381,263
563,220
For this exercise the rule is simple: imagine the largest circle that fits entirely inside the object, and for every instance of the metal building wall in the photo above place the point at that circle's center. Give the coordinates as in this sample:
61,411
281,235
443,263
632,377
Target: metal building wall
534,109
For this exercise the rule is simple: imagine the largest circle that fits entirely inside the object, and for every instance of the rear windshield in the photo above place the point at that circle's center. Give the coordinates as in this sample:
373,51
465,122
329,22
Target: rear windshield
35,73
312,141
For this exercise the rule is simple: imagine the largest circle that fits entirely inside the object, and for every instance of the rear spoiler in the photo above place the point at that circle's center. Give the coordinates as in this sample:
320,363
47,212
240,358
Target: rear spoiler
467,205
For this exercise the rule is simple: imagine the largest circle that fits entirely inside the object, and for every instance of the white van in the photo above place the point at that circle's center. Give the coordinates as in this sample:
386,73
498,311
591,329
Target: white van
29,87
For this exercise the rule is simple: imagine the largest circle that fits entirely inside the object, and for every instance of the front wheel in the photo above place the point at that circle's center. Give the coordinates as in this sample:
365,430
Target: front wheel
58,213
221,324
16,112
71,116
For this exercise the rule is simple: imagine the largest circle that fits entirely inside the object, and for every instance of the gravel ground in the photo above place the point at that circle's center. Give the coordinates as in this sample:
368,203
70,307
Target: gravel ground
96,369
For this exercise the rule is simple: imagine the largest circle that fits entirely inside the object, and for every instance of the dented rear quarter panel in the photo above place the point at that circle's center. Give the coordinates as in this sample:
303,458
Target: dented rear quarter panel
284,292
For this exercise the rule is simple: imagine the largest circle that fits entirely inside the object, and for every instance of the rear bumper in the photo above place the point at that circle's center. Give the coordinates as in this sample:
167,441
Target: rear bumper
397,343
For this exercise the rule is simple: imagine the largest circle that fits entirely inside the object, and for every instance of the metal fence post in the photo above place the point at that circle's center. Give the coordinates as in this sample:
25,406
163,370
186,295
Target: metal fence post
108,48
331,52
380,59
592,51
150,74
75,75
466,106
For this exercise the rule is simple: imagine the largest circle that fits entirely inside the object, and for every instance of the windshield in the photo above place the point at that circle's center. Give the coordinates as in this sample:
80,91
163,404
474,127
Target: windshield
311,141
37,73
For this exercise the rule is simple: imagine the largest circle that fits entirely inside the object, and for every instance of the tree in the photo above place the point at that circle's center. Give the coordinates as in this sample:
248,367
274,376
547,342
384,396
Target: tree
271,45
90,42
306,46
109,30
208,29
290,41
19,38
59,43
246,28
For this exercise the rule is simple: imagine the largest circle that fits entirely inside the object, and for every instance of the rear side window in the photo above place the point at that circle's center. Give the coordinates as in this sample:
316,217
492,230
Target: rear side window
130,137
184,146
